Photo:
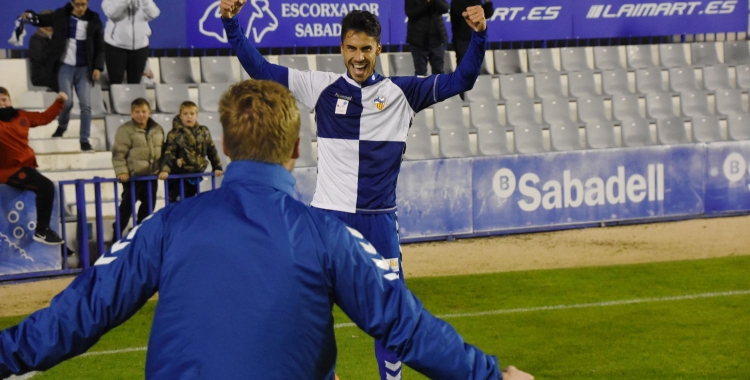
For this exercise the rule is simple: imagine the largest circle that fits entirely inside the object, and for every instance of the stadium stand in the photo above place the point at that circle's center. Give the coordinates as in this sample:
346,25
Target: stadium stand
574,59
454,142
124,94
649,81
217,70
671,131
736,53
514,86
483,89
607,58
639,56
672,55
704,54
176,70
541,61
170,96
209,95
507,62
615,82
600,135
564,136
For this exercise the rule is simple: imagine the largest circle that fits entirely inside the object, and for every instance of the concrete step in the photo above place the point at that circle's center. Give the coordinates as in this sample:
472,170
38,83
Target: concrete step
98,132
63,145
108,208
68,175
107,192
77,161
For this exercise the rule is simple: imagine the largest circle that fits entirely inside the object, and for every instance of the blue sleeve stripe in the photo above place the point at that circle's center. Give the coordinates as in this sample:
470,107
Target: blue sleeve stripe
250,58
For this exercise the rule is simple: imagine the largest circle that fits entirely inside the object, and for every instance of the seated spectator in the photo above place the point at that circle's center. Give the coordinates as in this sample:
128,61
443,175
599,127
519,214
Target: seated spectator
137,152
42,58
18,162
188,150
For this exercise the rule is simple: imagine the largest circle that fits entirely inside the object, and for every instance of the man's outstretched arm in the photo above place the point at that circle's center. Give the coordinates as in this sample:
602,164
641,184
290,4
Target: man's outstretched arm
250,58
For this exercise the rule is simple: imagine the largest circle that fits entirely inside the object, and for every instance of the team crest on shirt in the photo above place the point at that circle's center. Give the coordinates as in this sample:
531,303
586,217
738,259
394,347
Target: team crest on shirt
379,102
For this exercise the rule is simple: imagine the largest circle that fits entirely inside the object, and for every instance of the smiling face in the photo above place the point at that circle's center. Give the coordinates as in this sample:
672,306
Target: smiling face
360,52
140,115
5,101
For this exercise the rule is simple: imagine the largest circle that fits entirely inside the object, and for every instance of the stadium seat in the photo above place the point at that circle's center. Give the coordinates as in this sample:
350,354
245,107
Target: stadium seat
483,90
330,63
683,79
528,139
491,141
449,64
729,102
402,64
454,142
521,112
556,110
513,86
111,124
671,131
625,107
124,94
244,75
574,59
212,122
170,96
294,61
564,136
483,114
209,95
695,104
672,55
640,56
449,114
636,132
217,70
165,120
615,82
607,58
582,84
736,52
659,106
716,77
648,81
175,70
738,127
307,125
548,85
743,76
306,156
706,129
507,61
98,109
704,54
418,144
419,121
591,110
600,135
540,61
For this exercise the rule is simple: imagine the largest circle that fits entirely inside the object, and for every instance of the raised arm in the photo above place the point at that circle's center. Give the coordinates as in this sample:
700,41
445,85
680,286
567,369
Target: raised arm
43,118
250,58
150,9
372,296
98,300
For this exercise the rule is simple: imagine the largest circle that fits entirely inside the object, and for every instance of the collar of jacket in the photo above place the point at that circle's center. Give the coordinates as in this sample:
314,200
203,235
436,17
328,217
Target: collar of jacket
372,79
259,173
8,113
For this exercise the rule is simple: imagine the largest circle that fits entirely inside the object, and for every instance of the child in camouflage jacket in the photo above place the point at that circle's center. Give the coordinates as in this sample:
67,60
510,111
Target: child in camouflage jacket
188,149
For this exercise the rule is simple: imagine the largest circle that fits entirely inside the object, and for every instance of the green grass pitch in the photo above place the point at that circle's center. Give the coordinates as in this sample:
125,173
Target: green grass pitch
659,335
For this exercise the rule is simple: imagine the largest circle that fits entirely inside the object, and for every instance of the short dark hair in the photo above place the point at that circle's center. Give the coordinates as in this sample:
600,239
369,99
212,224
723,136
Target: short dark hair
4,91
360,21
138,102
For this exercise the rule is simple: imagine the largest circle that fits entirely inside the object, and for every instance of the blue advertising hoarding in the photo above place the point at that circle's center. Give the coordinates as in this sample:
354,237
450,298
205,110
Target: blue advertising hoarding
727,177
625,18
568,188
434,198
19,252
279,23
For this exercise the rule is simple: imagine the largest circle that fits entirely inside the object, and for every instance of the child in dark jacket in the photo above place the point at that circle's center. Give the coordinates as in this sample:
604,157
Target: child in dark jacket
188,149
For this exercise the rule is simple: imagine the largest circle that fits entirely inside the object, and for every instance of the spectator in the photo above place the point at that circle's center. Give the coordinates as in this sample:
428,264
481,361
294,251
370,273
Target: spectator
41,58
137,152
78,50
426,35
126,37
247,277
18,163
188,150
461,31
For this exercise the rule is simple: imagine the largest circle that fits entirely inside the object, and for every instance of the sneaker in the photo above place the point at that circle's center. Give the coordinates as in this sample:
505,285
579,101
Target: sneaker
58,133
48,237
86,147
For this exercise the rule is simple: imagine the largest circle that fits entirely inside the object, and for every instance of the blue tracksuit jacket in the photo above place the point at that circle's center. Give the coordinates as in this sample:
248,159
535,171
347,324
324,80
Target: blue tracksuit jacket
247,277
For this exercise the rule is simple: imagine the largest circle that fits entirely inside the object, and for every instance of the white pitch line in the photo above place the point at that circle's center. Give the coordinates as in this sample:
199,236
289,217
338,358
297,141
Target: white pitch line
496,312
581,305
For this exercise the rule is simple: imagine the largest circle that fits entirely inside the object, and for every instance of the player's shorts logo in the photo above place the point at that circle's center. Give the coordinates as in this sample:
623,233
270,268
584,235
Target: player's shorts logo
379,102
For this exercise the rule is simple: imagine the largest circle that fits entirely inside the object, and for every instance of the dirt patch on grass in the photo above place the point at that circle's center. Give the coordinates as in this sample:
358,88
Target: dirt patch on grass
691,239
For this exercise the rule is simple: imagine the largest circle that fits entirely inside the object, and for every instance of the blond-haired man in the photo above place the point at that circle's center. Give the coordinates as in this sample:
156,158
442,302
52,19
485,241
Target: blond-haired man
247,277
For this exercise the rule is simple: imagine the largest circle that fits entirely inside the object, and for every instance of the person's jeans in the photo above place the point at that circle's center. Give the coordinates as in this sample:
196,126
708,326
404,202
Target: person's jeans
77,77
435,55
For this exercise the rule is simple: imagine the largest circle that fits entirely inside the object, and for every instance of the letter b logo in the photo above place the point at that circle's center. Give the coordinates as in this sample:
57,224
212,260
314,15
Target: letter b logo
734,167
504,183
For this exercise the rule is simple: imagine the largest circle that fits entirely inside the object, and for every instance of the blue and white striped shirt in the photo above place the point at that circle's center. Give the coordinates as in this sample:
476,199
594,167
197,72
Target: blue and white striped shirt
75,54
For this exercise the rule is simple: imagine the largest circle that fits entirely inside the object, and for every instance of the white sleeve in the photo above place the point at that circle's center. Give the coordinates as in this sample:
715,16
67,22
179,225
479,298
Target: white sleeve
306,86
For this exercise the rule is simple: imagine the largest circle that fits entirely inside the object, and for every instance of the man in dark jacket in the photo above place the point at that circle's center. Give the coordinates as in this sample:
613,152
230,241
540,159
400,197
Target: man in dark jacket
461,32
42,63
78,49
425,33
